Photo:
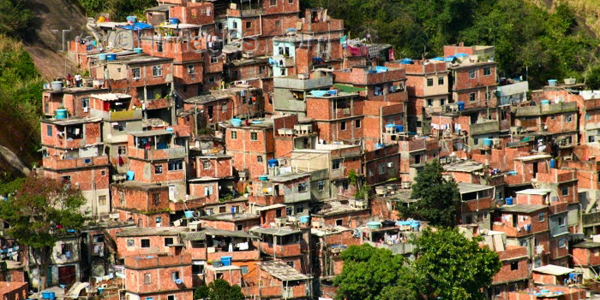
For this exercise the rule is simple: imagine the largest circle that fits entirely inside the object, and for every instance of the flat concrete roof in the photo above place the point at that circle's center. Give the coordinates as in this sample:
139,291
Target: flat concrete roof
587,245
282,271
467,166
464,187
283,231
534,157
111,96
553,270
522,208
151,231
150,133
535,191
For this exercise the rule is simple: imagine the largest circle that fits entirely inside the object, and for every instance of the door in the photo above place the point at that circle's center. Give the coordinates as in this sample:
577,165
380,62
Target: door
67,275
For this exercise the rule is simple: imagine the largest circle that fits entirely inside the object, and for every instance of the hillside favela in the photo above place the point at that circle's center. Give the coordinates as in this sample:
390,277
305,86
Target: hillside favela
299,149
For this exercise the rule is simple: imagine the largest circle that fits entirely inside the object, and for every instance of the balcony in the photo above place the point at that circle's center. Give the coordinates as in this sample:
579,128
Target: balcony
484,128
549,109
156,154
284,61
592,104
160,103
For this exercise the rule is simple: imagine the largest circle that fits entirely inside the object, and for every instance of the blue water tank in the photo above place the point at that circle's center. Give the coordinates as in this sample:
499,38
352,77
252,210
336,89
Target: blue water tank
263,177
138,50
236,122
173,21
304,219
111,57
273,163
400,128
509,201
48,295
553,163
545,102
61,114
188,214
461,105
488,142
226,260
552,82
132,19
102,56
130,175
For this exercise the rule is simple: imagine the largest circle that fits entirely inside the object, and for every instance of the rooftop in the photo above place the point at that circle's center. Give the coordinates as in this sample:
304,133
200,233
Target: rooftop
282,271
76,90
533,157
150,133
587,245
151,231
464,187
281,231
111,96
535,192
522,208
553,270
138,185
72,120
230,217
201,235
467,166
288,177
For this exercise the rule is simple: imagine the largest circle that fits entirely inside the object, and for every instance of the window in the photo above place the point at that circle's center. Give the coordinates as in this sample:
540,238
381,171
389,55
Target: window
562,243
302,187
85,103
102,200
291,1
299,209
564,190
591,139
158,169
561,221
130,242
472,73
338,222
345,185
136,73
321,185
206,165
159,47
472,97
244,269
429,102
66,179
176,165
343,126
261,69
290,263
156,71
514,265
429,81
145,243
259,158
122,149
224,107
171,297
588,116
475,141
253,136
248,25
211,79
49,130
277,24
240,227
214,59
156,198
487,71
357,123
336,164
208,190
234,135
541,217
190,69
174,275
440,80
569,118
289,210
442,102
381,169
168,241
147,278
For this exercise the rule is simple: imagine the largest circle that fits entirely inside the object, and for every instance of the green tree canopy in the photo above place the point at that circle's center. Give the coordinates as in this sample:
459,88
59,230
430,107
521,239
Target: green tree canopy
219,290
40,213
448,265
451,266
438,198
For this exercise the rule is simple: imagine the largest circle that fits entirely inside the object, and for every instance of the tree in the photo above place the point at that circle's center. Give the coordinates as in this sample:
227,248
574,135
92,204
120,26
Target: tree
40,214
219,290
438,198
451,266
372,274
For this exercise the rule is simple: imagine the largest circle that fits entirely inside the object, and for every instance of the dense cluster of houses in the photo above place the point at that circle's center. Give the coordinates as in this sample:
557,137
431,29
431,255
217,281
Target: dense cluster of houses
233,140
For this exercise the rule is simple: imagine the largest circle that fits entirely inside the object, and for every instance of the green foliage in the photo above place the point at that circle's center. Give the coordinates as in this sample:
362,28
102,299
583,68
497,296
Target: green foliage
451,266
219,290
202,292
16,19
367,271
118,9
438,199
362,192
448,265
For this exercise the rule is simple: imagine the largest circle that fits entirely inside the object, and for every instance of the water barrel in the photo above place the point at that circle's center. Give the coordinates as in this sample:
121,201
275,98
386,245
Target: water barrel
461,105
48,295
130,175
188,214
132,19
304,219
102,56
553,163
57,86
61,114
374,225
111,57
545,102
236,122
226,260
509,201
138,50
400,128
263,177
256,122
273,163
332,92
173,21
100,290
488,142
552,82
